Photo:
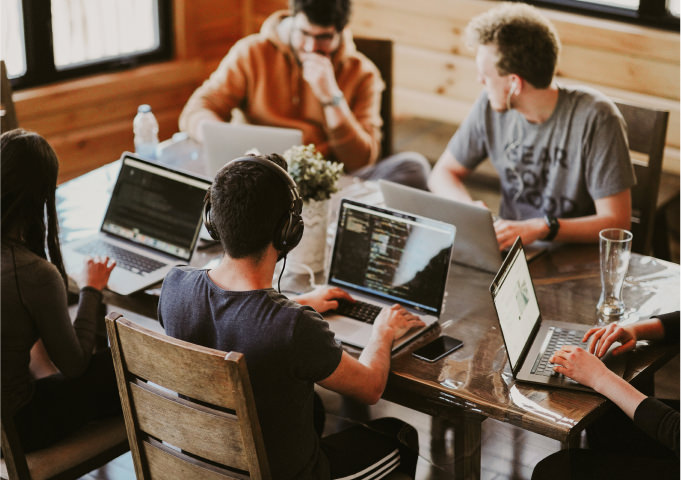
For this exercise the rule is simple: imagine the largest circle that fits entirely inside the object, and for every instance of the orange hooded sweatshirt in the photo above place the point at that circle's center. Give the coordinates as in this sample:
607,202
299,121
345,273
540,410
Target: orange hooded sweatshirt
261,76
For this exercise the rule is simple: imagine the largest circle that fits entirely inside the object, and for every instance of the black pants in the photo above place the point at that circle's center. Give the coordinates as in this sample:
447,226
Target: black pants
617,449
62,405
368,450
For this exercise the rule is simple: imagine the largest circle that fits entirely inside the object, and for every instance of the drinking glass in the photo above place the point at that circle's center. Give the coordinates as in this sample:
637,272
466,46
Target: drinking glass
615,250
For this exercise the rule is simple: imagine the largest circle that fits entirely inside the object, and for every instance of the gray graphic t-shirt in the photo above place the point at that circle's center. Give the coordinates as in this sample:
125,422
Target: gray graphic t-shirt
558,167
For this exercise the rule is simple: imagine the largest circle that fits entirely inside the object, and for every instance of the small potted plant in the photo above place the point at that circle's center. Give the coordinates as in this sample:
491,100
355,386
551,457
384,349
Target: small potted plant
317,179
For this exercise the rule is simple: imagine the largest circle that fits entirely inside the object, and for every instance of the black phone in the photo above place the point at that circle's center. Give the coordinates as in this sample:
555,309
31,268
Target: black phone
438,348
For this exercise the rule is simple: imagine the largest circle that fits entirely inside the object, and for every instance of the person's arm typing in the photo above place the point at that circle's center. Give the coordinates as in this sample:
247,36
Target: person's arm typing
365,378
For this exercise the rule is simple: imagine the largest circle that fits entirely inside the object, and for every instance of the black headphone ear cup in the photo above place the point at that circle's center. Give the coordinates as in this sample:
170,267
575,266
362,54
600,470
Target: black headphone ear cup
208,222
288,233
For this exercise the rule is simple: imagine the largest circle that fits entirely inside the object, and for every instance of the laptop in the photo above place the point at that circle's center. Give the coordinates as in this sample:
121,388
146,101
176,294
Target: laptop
476,242
223,142
151,224
382,257
530,341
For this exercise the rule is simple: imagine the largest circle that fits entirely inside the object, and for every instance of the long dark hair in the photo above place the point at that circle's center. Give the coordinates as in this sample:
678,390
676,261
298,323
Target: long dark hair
29,181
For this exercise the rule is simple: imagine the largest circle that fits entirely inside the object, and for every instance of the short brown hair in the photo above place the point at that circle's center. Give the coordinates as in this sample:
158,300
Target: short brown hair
527,42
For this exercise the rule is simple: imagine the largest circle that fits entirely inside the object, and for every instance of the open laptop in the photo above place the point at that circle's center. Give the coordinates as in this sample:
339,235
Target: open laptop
530,341
382,257
151,224
476,243
223,142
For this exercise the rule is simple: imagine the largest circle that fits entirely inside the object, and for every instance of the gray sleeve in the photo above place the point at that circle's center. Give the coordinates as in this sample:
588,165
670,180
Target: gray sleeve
68,345
316,353
469,143
609,169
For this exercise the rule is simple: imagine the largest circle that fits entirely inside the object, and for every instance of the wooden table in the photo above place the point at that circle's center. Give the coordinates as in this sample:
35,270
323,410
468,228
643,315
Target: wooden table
475,382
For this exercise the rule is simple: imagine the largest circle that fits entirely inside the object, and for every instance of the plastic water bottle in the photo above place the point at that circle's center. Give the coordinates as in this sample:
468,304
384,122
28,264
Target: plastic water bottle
145,128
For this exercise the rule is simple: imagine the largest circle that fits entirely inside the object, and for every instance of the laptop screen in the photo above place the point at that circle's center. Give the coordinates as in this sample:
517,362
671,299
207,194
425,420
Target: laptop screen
156,207
393,255
515,303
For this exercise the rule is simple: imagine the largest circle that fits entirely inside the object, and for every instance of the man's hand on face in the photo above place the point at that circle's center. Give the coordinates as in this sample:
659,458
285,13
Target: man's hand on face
318,73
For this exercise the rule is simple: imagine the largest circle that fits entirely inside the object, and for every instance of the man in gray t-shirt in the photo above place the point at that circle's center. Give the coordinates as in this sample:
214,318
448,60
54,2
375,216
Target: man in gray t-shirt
561,153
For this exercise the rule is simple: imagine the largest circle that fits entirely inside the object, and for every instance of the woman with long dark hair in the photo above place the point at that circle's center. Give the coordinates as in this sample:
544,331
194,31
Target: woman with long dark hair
35,317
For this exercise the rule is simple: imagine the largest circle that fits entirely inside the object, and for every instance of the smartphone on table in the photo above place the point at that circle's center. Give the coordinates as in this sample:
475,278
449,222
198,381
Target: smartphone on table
438,348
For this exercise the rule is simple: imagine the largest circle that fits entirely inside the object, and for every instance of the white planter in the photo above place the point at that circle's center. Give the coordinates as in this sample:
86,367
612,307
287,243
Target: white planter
311,250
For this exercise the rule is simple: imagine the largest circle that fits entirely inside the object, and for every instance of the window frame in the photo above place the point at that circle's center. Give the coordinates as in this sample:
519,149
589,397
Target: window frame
40,67
651,13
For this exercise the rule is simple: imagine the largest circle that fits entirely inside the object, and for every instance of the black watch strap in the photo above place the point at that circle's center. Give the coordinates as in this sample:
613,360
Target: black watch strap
554,226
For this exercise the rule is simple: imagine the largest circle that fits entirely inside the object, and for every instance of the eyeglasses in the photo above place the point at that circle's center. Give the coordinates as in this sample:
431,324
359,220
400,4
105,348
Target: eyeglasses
321,39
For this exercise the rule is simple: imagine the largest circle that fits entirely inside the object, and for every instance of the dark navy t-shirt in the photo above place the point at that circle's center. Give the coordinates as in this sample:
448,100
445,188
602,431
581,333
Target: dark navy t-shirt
287,347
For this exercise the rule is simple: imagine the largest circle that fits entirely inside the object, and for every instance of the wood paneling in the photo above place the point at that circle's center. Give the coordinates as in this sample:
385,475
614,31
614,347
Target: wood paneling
435,75
88,121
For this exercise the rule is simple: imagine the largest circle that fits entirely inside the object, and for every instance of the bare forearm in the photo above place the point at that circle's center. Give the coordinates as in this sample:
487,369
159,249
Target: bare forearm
650,329
620,392
376,357
586,229
446,184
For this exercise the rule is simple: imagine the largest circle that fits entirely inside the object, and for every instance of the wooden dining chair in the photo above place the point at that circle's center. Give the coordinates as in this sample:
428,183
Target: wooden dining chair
380,52
189,410
646,132
91,447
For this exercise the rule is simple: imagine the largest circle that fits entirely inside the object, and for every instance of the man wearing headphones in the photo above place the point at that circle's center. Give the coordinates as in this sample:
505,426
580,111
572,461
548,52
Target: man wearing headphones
561,152
253,208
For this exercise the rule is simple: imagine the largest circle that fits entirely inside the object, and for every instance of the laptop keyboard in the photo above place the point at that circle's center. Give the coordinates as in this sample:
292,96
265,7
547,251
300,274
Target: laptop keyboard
362,311
125,259
556,338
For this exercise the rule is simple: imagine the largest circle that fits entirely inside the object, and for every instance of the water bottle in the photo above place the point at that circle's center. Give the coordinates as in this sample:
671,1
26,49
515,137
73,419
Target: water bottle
145,128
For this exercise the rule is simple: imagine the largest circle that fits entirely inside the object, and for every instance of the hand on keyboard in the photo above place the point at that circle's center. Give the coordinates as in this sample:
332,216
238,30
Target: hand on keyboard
97,271
398,319
603,337
324,298
579,365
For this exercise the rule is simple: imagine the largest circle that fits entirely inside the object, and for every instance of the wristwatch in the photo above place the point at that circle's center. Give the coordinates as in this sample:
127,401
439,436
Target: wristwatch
554,226
335,100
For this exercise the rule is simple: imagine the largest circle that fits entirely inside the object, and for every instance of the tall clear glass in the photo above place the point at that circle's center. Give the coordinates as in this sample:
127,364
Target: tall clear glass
615,251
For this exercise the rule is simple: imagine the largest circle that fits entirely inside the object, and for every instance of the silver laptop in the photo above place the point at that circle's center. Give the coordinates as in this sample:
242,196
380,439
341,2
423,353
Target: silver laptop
382,257
530,341
223,142
151,224
476,242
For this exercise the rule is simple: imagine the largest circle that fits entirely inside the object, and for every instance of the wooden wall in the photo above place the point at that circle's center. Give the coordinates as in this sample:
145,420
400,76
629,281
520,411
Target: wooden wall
89,121
435,74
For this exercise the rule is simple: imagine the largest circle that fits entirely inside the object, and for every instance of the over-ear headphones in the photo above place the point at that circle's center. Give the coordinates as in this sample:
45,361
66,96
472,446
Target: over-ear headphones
289,229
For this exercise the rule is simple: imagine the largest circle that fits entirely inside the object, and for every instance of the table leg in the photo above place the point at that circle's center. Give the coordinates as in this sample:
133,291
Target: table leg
467,446
573,441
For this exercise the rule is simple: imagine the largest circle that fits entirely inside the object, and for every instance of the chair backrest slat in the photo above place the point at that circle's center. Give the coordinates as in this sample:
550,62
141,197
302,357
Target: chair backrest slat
169,465
157,357
195,430
197,401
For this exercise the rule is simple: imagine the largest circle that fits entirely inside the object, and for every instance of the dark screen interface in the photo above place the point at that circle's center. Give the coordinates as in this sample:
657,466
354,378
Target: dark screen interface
396,256
156,208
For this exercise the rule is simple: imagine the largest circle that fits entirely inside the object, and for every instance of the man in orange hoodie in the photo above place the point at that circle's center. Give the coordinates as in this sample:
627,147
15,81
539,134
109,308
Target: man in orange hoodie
302,70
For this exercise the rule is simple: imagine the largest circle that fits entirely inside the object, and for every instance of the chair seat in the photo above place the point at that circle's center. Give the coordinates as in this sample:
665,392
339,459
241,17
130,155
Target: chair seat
84,445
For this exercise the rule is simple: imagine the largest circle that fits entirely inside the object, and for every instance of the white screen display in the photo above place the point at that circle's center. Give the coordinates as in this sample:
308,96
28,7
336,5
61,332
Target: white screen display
516,305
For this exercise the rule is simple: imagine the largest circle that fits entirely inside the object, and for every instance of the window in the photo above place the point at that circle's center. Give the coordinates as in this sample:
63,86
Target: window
43,42
655,13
